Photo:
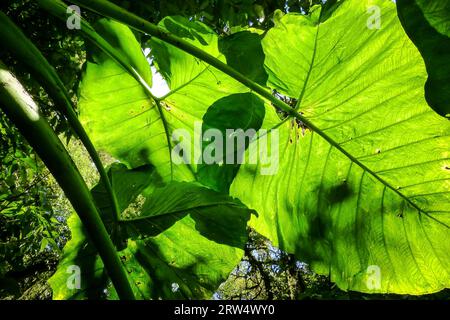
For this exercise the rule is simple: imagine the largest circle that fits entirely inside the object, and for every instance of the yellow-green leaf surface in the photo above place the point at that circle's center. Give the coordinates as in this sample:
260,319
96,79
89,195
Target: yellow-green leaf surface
366,197
117,110
194,85
120,114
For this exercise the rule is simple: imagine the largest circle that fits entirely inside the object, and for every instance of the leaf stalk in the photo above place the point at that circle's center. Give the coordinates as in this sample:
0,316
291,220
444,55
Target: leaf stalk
24,113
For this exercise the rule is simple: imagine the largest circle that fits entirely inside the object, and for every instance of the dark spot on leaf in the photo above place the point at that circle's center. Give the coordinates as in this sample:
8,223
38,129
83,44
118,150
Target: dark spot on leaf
144,153
339,193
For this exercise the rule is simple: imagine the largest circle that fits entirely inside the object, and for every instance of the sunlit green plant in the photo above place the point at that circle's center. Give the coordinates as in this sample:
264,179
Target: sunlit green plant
361,192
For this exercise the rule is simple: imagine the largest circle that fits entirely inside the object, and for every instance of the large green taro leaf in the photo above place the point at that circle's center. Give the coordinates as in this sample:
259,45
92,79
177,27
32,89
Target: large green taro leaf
179,263
120,114
181,248
428,25
194,85
366,197
117,110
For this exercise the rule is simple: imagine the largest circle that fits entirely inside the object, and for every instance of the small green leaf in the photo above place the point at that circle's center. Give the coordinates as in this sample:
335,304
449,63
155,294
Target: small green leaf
244,52
243,112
